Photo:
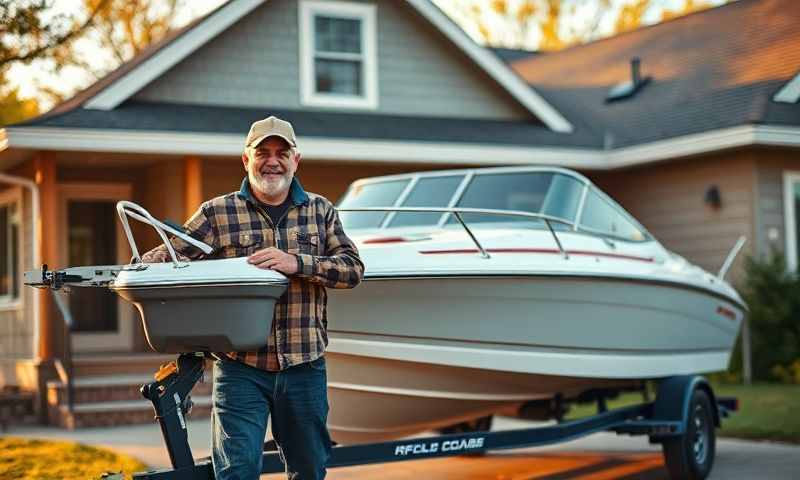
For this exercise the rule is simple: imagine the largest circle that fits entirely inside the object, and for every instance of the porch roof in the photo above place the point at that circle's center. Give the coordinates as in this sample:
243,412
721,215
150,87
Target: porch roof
162,117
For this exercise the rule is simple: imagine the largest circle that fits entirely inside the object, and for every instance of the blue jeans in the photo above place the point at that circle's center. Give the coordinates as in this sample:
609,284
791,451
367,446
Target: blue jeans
243,399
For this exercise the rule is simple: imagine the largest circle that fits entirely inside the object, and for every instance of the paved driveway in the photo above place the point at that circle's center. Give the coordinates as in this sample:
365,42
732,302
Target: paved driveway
597,457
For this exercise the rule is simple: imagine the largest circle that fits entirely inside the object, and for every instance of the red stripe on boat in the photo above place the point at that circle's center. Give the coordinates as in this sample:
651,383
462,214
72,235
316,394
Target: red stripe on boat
385,240
727,312
537,250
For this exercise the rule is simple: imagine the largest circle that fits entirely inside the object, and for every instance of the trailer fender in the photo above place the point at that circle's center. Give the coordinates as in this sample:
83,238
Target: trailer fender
675,394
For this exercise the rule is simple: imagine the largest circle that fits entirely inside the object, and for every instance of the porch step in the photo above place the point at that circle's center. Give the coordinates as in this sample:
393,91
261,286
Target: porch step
107,388
121,412
118,364
106,392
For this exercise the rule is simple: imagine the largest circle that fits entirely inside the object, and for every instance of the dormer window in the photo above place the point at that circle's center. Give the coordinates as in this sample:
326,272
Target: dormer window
338,66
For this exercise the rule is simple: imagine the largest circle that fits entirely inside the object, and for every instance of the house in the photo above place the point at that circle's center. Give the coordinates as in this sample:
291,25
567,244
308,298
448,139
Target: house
698,138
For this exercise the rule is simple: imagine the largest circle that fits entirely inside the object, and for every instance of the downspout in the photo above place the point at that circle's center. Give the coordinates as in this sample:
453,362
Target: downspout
34,189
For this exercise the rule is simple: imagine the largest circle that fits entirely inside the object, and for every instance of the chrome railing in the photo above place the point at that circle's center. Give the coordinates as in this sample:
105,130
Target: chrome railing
459,211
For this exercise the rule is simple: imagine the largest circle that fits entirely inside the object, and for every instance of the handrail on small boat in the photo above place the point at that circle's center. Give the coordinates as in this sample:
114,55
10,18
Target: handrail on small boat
129,209
458,211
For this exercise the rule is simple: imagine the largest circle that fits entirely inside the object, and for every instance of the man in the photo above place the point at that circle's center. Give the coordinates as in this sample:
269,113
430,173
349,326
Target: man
278,226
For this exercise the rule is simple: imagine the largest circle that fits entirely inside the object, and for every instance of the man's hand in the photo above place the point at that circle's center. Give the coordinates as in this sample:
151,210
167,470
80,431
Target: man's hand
273,259
160,255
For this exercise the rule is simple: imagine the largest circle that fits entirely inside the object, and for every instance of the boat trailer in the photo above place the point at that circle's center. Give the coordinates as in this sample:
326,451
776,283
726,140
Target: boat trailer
682,418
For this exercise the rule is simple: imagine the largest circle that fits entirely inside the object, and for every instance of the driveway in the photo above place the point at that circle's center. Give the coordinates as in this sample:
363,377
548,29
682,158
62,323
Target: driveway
599,456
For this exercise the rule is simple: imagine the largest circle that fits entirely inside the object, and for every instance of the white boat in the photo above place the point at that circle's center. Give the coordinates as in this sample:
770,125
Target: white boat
493,289
486,291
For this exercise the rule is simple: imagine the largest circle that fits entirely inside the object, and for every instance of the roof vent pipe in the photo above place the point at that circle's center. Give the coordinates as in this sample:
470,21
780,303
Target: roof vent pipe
636,77
629,88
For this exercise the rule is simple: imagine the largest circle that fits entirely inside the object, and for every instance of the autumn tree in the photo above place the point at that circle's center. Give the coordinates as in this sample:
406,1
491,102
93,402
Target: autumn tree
95,39
126,27
25,34
555,24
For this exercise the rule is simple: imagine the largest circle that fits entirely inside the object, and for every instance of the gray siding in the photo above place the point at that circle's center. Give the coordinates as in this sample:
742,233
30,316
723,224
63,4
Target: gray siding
16,326
255,63
668,199
770,167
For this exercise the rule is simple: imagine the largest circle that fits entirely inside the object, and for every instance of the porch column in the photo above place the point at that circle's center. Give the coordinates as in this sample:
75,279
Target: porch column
51,328
45,178
193,186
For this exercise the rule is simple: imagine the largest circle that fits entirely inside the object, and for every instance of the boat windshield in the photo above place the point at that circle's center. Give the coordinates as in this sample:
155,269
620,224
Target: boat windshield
378,194
548,193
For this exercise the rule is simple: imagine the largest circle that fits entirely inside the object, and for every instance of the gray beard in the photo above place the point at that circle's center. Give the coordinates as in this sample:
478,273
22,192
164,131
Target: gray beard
268,188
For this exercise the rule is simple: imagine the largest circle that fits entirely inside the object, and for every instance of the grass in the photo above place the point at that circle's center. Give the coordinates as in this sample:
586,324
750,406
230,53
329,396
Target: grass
766,411
26,459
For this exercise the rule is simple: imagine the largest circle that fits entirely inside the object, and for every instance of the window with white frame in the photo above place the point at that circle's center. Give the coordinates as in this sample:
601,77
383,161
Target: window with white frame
791,204
9,250
338,52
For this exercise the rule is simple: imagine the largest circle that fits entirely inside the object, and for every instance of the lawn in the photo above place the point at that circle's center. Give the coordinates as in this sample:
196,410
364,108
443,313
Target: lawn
766,411
25,459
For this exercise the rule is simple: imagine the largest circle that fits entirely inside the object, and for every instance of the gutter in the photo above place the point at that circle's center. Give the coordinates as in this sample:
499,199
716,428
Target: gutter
402,151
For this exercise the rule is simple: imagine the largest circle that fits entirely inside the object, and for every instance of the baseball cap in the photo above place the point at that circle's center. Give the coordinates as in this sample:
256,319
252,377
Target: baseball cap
268,127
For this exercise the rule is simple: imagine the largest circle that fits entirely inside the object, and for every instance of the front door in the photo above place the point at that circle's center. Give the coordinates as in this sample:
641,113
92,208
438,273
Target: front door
101,320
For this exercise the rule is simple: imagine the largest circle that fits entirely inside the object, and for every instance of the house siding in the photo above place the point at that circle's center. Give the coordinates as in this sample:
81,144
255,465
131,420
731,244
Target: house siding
668,199
16,325
770,167
255,63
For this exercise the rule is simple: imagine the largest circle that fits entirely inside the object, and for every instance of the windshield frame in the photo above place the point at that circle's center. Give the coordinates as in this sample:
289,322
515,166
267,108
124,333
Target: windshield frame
470,174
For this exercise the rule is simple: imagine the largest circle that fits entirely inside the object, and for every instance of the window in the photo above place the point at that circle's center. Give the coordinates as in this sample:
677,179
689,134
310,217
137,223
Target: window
379,194
9,251
428,192
338,66
602,217
791,206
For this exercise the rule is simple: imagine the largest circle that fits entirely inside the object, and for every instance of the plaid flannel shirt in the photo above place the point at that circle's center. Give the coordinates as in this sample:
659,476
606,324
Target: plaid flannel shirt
235,225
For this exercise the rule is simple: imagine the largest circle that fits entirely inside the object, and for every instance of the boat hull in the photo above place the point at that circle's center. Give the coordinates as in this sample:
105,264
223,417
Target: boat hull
410,354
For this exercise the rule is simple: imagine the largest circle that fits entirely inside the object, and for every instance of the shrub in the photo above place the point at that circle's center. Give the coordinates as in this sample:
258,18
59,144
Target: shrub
773,295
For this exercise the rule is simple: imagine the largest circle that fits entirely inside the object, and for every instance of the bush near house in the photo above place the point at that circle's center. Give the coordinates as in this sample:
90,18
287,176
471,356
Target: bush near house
773,295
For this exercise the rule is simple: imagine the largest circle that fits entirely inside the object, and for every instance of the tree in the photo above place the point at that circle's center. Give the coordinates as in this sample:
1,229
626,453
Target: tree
25,35
126,27
94,40
13,108
556,24
689,6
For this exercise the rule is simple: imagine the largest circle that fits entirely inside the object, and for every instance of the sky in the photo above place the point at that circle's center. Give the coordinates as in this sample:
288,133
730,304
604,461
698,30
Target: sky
29,78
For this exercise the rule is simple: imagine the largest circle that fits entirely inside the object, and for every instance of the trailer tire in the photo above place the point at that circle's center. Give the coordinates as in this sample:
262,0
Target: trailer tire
691,455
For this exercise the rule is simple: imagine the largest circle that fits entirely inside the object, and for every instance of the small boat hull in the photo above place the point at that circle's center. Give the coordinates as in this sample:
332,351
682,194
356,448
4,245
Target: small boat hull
216,318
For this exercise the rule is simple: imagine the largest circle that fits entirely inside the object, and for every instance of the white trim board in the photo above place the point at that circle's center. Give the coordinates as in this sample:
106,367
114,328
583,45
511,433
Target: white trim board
402,151
790,93
172,53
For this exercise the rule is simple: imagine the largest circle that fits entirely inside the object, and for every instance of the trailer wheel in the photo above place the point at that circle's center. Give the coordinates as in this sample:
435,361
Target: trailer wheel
691,456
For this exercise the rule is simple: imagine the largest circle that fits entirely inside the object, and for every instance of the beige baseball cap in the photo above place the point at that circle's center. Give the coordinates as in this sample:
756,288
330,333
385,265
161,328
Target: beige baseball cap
271,126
